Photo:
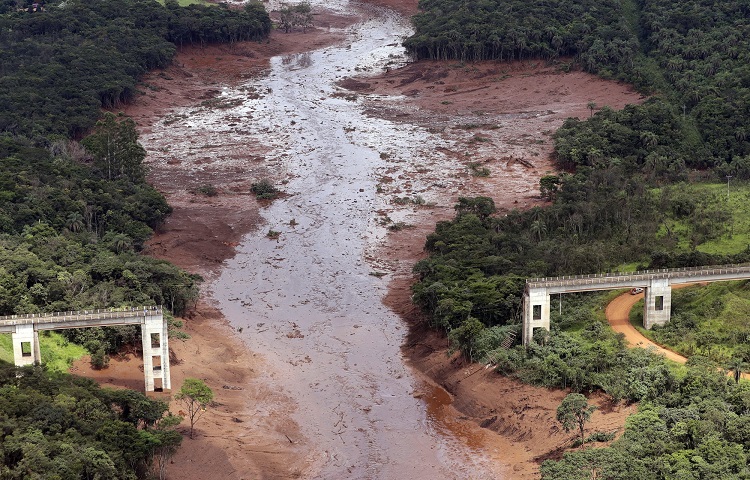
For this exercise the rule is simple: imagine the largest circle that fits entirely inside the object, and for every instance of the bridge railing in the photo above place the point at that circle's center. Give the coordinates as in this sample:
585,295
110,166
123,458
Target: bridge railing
639,275
101,313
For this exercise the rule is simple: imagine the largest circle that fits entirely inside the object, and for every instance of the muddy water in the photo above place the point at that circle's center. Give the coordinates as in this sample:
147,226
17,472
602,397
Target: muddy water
308,299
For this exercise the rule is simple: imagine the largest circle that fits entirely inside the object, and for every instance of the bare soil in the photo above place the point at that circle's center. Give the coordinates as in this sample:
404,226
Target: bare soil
618,316
248,433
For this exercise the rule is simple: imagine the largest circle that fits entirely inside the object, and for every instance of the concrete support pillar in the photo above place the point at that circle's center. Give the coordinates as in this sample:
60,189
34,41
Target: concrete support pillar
25,340
155,351
536,312
658,303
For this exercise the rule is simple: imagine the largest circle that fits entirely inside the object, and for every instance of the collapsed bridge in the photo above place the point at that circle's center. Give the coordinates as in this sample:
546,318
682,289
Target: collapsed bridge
657,285
24,330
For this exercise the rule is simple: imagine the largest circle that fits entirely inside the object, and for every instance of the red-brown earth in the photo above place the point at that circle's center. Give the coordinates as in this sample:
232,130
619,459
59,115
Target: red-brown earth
501,116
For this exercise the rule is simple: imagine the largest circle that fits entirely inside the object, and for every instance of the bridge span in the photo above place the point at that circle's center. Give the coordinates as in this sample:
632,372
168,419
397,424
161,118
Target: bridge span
657,285
24,330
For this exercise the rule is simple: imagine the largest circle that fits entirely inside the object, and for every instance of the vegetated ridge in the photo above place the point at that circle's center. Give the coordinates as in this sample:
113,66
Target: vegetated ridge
74,216
626,195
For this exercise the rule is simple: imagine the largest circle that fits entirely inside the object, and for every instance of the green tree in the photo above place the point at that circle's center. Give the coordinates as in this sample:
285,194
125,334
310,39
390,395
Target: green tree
195,395
74,222
115,148
574,411
591,106
167,442
482,207
549,185
736,365
121,243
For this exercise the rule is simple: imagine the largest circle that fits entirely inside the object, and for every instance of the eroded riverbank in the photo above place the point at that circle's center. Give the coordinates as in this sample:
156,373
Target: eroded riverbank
328,395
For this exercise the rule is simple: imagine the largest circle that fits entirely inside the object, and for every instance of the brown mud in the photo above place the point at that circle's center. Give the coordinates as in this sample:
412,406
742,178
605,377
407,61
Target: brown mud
502,116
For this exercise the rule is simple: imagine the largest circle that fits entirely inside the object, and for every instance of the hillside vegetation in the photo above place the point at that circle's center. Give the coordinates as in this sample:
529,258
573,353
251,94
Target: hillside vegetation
60,426
693,53
74,216
644,187
710,320
62,65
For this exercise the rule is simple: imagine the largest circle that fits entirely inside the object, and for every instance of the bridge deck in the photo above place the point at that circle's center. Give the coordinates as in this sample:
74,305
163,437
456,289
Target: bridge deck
85,318
604,281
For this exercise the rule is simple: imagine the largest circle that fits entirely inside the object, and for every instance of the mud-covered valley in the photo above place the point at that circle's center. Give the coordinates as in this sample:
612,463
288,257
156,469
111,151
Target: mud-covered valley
318,359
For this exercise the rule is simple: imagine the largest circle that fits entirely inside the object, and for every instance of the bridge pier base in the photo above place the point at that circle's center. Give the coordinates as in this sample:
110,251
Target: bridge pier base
25,340
155,352
657,303
536,312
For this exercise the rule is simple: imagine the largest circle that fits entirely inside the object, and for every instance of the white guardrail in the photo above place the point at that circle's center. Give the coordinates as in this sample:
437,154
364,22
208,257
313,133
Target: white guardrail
97,314
643,275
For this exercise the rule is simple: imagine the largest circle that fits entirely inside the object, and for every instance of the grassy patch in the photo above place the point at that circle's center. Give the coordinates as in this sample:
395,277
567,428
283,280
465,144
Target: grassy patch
628,267
57,353
6,348
580,311
185,3
710,320
709,217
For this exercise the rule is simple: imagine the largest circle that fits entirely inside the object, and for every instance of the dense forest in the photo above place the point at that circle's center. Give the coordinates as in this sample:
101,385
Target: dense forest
70,235
62,65
629,193
66,427
75,214
693,53
75,211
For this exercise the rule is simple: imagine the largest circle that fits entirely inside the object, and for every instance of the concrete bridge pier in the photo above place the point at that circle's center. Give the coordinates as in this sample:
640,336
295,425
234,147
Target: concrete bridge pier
155,351
657,303
536,312
25,340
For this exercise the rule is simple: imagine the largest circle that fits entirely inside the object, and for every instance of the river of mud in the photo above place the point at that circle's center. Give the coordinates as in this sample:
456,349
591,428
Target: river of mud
309,299
358,168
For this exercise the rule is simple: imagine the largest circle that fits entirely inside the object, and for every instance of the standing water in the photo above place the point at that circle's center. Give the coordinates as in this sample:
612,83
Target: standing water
308,300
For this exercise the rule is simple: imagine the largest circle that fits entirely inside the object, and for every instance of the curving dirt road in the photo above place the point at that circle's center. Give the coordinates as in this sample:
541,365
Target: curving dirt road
617,313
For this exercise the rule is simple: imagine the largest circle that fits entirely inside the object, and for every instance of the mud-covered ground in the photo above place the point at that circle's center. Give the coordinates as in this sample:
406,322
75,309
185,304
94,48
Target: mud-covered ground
496,121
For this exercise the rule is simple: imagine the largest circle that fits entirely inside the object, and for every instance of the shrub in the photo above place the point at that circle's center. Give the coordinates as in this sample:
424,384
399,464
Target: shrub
99,359
208,190
264,190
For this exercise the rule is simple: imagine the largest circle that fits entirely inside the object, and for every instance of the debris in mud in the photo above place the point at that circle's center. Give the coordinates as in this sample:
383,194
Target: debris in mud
307,359
295,333
355,85
487,423
231,387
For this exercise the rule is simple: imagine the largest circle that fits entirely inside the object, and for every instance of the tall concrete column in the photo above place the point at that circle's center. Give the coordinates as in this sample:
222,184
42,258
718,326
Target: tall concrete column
155,351
658,303
536,312
25,340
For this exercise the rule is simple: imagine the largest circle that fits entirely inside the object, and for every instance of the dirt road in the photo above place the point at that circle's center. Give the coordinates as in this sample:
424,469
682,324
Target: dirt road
617,313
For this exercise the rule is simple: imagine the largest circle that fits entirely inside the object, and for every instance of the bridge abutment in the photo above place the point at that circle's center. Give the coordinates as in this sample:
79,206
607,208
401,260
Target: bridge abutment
25,340
155,353
536,312
657,303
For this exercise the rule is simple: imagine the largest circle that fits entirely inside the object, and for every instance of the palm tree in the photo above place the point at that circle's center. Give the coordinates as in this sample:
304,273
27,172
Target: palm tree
737,365
538,229
592,107
121,242
74,222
